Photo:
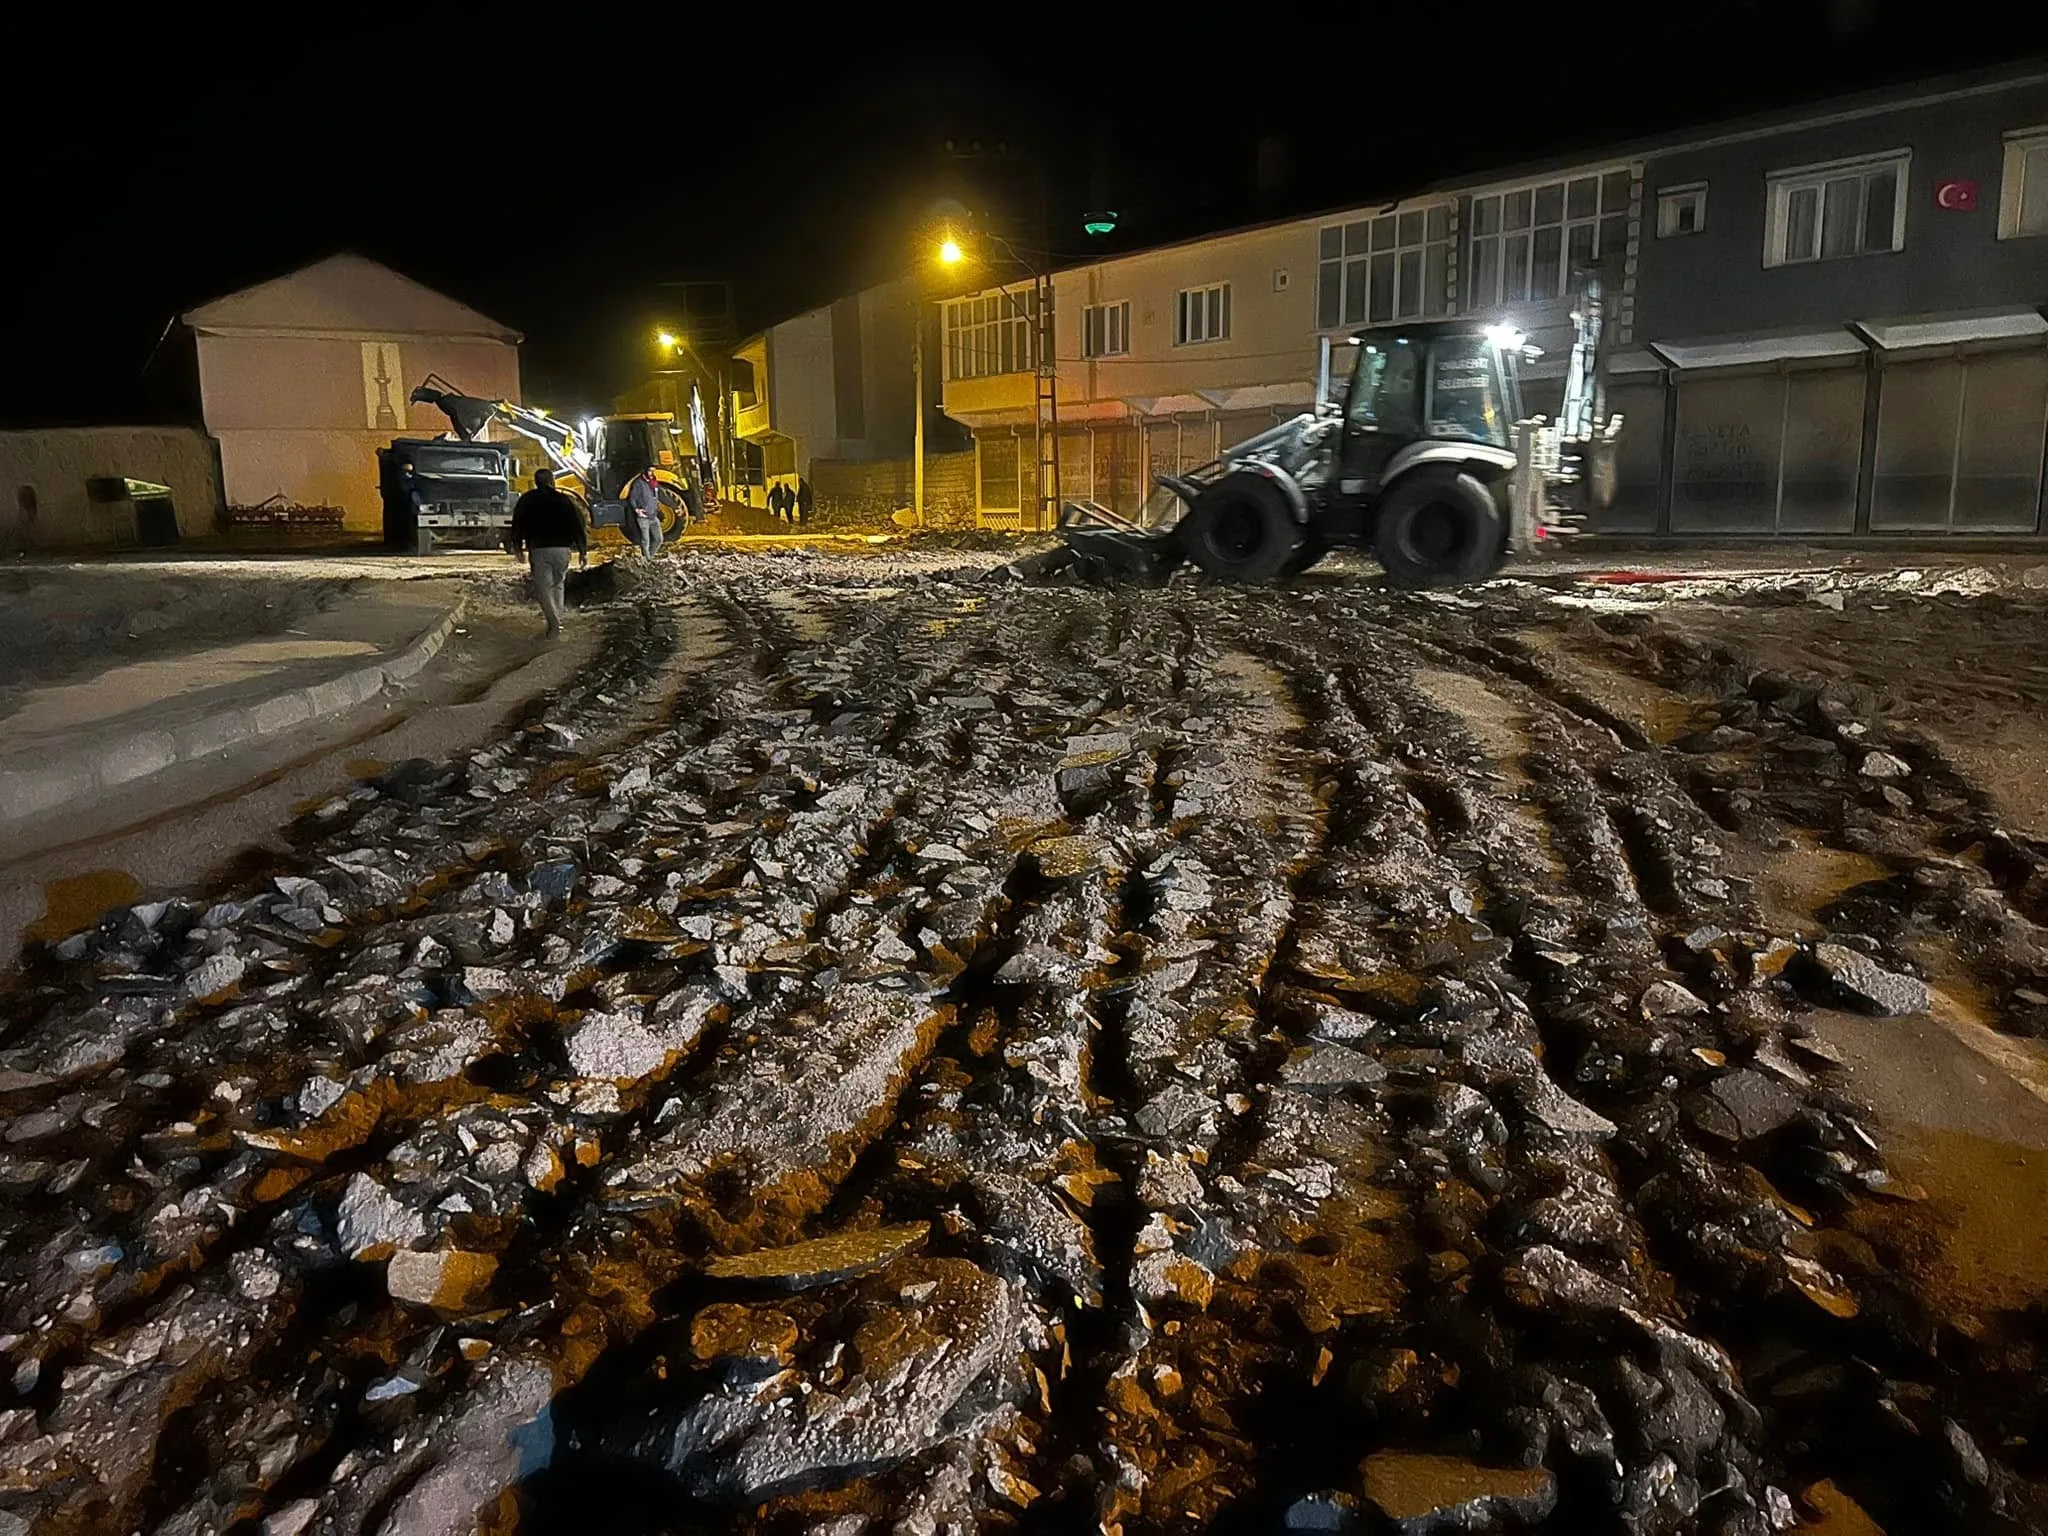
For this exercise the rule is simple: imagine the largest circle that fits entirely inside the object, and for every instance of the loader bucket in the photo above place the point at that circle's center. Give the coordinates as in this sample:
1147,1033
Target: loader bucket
1108,548
1113,557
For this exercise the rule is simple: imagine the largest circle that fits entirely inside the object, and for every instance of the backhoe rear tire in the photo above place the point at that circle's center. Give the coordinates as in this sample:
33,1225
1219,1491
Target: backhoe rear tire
1242,529
1439,527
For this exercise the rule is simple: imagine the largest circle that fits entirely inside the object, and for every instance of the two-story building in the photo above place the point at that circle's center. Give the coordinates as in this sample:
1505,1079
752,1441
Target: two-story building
1828,322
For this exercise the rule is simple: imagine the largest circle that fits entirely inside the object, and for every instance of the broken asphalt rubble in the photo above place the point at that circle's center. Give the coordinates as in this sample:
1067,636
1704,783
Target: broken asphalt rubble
989,1052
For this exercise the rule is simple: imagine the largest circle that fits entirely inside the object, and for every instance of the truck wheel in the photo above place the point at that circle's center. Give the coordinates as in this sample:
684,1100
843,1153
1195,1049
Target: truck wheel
1438,527
1242,529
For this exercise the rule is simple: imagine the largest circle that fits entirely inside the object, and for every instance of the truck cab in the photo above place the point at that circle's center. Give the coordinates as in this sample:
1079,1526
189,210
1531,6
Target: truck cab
444,491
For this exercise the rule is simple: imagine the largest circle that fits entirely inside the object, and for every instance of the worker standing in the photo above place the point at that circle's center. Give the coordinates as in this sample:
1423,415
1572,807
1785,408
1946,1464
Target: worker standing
547,525
643,497
803,502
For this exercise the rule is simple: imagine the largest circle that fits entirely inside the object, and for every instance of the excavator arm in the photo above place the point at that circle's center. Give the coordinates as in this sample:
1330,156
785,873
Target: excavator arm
470,414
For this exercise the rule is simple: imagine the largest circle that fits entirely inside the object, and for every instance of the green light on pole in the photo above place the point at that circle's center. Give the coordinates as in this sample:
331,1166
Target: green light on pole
1099,224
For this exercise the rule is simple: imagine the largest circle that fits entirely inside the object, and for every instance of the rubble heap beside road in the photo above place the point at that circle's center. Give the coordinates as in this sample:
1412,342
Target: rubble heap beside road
1028,1059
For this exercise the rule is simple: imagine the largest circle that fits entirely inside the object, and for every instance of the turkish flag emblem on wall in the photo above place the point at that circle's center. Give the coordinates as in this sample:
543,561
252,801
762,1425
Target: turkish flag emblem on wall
1956,196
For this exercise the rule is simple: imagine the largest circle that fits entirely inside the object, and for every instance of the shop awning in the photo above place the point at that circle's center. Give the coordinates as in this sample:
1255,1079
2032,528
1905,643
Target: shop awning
1168,405
1258,397
1634,360
1954,330
1779,347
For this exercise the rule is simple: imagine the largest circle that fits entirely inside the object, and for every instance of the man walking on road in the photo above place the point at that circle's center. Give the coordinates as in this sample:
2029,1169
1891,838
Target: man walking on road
546,524
643,497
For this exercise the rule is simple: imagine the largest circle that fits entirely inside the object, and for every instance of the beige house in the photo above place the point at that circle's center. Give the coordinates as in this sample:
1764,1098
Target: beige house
303,378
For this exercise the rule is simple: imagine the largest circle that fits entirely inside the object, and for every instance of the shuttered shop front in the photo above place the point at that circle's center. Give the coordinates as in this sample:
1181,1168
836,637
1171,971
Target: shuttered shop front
1959,442
1767,450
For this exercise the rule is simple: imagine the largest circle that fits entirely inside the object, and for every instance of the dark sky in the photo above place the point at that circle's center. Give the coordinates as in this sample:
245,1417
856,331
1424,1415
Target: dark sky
553,181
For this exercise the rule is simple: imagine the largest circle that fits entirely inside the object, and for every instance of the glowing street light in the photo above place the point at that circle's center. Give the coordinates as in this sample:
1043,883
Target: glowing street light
665,340
950,254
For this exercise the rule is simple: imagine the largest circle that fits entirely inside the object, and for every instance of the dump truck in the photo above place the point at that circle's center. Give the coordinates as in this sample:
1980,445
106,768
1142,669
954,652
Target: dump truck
1428,460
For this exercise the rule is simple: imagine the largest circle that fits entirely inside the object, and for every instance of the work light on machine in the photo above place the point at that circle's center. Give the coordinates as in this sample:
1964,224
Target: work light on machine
1507,338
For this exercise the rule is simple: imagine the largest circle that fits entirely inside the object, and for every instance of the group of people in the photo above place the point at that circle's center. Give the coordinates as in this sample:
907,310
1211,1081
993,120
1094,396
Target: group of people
547,526
792,506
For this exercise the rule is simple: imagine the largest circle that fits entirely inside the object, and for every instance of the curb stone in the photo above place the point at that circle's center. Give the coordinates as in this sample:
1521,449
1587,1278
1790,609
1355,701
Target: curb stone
67,777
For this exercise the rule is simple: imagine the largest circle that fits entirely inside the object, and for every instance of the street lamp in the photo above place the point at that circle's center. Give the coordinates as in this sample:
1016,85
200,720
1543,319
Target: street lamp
949,255
1045,435
666,340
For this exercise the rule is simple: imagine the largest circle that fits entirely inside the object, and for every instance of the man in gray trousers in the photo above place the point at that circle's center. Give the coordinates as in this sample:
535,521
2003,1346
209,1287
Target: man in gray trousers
643,501
547,525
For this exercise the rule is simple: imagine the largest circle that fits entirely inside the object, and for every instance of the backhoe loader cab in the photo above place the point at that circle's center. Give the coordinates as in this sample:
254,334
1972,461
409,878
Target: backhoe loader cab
1427,460
1413,461
622,446
1436,383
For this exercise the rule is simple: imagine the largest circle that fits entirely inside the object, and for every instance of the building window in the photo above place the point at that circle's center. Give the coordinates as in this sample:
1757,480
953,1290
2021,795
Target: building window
2023,202
1527,243
1849,208
1394,267
1106,330
990,334
1681,210
1201,314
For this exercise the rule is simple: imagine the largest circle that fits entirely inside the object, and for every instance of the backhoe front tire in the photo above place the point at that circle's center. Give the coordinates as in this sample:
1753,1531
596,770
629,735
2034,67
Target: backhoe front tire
1439,527
1242,529
1312,549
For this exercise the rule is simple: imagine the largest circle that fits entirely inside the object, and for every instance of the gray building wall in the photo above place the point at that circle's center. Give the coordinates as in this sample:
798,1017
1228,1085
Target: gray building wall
1716,282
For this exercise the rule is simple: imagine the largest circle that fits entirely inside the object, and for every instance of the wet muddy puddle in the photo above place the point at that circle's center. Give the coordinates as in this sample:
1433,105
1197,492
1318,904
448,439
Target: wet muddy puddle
1663,715
74,902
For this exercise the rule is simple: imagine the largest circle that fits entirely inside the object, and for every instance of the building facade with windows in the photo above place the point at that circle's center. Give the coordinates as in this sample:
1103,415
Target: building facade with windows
1825,323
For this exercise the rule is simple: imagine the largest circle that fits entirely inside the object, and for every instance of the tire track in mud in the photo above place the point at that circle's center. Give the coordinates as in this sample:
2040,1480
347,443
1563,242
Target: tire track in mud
1709,1229
1936,882
1558,1189
967,940
390,1134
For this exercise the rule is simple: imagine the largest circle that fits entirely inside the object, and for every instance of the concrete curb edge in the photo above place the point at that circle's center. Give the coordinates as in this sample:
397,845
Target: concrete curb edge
48,786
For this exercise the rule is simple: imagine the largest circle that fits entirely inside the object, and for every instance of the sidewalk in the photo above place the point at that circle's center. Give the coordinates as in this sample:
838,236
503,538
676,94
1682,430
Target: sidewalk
64,743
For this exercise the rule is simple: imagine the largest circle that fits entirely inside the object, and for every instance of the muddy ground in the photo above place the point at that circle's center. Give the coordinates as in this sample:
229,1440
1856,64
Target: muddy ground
884,1052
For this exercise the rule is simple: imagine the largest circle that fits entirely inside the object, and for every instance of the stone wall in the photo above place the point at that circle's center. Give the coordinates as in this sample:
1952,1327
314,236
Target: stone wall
866,494
45,479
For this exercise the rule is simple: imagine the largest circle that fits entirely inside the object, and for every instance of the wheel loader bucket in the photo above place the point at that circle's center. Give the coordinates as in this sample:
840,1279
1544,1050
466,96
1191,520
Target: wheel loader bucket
1110,549
1111,557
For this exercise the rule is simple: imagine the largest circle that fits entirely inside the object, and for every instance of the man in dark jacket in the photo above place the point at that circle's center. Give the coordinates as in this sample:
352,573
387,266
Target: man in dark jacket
547,525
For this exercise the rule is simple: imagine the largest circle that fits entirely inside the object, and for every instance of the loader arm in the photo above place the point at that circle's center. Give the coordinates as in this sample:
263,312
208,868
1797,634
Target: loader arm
470,414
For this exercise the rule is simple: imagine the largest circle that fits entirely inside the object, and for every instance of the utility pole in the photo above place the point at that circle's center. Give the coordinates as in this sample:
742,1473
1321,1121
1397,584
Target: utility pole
917,388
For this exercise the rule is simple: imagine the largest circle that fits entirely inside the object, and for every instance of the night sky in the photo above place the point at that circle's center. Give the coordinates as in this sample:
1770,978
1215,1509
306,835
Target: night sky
554,182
